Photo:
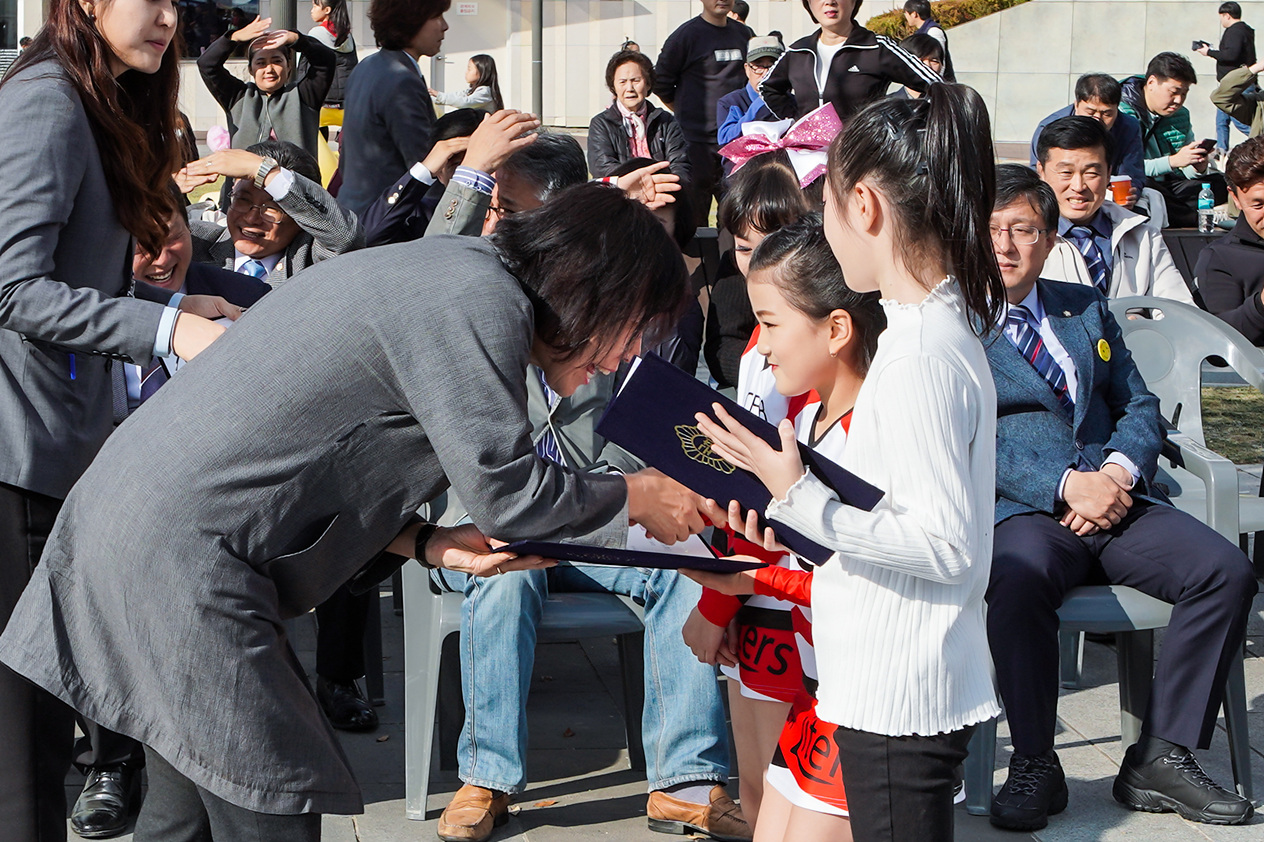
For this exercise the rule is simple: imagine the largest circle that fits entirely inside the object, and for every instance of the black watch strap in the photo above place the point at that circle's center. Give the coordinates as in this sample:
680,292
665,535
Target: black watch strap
424,534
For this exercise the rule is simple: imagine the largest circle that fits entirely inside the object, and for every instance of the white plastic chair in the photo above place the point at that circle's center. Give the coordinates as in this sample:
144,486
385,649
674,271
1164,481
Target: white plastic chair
431,616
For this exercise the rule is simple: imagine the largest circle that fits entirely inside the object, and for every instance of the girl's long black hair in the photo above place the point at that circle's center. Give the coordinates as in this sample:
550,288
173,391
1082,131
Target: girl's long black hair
932,159
486,67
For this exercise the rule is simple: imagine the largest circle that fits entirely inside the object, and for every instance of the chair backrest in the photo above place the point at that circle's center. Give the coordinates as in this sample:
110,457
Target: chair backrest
1185,246
1170,352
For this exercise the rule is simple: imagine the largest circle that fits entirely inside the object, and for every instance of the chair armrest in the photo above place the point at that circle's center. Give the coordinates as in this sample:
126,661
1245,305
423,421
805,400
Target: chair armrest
1218,474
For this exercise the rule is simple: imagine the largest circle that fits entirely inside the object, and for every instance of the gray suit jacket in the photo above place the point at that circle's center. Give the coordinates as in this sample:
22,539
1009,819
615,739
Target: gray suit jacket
328,229
461,211
289,454
65,280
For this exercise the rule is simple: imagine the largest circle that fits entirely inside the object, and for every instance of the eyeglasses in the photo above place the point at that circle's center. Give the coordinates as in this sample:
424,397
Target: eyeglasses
759,68
269,213
1020,235
501,212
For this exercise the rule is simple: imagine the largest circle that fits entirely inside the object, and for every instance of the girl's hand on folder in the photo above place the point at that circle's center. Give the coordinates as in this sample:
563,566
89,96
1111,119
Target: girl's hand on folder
749,529
710,644
739,583
776,469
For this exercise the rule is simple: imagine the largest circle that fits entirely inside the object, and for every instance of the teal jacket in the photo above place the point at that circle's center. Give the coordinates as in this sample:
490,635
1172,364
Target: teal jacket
1161,136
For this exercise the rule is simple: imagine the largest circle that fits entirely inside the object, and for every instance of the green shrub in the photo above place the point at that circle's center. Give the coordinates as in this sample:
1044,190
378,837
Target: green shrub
949,13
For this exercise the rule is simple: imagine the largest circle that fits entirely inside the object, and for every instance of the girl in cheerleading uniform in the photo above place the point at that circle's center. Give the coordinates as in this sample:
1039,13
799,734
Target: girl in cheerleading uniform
904,675
811,349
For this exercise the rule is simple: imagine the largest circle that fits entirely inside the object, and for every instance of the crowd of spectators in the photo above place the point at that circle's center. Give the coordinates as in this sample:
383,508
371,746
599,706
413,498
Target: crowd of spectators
484,253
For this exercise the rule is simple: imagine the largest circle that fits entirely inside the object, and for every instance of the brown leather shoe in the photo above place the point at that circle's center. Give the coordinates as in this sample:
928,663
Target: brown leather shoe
721,819
472,813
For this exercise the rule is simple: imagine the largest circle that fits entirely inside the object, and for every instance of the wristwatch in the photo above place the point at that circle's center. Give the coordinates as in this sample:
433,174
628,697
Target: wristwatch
424,534
266,166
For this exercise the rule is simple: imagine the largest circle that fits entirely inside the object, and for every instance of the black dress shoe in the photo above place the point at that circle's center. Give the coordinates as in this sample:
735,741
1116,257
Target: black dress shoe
109,797
1036,789
345,706
1174,782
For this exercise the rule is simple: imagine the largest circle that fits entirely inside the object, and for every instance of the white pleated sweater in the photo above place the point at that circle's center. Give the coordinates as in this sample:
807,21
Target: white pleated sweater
901,644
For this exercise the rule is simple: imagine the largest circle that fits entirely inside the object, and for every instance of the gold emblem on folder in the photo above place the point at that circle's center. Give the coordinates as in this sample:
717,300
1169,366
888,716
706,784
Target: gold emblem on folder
698,448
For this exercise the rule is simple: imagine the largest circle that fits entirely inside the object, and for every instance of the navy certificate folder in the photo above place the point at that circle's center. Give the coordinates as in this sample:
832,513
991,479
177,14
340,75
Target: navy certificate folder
652,417
628,558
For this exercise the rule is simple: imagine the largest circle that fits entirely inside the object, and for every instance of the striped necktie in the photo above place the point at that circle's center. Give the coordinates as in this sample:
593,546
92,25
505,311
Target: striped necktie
254,268
1032,347
152,377
1085,241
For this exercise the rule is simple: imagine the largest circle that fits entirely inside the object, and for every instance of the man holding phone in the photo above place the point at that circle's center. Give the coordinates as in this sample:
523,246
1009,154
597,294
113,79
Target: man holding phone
1176,161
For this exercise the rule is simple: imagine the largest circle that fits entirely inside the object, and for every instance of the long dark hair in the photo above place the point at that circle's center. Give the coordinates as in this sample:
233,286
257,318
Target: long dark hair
486,67
594,263
134,118
932,160
338,18
806,272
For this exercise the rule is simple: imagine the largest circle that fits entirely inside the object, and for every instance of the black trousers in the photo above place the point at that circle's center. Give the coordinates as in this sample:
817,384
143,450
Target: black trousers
340,624
177,810
101,748
1155,549
706,179
36,729
1181,196
899,789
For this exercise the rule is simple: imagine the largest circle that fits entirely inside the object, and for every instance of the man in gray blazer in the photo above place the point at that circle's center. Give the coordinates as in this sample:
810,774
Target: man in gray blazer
278,225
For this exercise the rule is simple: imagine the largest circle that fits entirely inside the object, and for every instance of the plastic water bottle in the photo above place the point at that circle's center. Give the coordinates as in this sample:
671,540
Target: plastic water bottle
1206,210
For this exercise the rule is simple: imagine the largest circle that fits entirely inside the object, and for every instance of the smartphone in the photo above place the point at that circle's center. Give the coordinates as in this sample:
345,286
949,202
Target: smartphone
1207,144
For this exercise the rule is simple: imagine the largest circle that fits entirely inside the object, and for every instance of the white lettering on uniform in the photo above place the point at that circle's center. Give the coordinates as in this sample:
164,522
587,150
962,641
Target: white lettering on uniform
728,55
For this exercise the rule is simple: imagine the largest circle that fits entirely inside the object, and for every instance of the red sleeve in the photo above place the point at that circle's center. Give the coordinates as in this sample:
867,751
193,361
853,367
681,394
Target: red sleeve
718,608
782,583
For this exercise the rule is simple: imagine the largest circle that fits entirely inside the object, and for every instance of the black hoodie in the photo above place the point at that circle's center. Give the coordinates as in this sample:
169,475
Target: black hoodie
1230,275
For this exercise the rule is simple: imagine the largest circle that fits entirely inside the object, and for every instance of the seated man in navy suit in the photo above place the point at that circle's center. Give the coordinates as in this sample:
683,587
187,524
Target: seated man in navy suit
1077,446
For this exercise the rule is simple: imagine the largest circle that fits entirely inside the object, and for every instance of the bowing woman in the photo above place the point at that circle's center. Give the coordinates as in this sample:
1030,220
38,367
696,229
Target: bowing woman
87,145
293,452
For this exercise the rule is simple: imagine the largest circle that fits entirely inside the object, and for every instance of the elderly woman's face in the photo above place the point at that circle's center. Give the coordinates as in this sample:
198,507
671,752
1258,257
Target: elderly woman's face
630,85
564,376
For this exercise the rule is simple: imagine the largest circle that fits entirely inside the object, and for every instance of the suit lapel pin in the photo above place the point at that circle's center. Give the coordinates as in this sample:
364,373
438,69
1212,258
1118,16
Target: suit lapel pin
1066,313
1103,350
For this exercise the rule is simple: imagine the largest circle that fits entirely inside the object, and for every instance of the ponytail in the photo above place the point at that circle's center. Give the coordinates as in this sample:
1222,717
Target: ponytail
932,160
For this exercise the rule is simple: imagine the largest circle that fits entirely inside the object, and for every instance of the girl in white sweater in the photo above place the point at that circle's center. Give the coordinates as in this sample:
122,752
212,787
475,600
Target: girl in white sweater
483,91
903,658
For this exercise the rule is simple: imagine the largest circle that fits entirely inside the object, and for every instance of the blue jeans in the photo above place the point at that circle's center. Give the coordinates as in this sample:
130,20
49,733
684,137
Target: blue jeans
1222,129
683,726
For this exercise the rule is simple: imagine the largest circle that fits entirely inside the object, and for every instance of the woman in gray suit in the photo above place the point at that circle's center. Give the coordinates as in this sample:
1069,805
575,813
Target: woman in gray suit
297,449
87,147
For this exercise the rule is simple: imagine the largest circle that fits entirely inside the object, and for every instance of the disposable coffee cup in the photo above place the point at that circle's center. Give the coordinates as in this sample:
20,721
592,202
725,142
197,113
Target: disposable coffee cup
1120,187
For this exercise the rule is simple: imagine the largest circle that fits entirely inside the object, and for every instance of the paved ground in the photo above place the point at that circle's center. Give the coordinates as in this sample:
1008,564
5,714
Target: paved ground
584,789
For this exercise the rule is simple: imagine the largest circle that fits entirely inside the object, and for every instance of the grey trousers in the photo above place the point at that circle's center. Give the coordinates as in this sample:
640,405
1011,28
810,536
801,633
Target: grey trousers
177,810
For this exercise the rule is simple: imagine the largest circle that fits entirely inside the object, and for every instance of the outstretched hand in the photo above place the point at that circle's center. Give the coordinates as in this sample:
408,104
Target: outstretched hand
776,469
651,186
466,550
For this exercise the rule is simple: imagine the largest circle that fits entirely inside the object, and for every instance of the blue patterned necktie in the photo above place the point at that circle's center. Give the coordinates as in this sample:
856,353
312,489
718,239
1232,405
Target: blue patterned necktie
254,268
1084,240
1032,347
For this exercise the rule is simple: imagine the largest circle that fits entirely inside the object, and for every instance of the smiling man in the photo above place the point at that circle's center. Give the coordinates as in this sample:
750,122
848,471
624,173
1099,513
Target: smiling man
1103,245
280,220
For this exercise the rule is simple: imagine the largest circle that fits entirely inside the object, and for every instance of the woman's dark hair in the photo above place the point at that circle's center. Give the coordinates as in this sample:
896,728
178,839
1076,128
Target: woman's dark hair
804,268
1245,167
289,155
486,67
1172,66
396,22
1015,181
1074,132
594,263
924,46
932,160
855,10
623,57
338,18
133,118
762,196
1099,86
683,229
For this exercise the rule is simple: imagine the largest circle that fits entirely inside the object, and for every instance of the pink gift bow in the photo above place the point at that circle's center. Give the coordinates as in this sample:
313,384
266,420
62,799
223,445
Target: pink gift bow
806,142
